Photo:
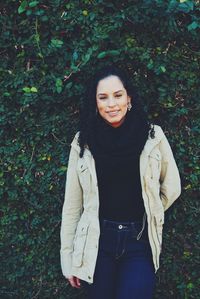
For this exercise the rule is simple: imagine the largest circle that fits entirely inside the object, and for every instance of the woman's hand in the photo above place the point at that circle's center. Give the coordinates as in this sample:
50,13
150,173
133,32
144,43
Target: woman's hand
74,281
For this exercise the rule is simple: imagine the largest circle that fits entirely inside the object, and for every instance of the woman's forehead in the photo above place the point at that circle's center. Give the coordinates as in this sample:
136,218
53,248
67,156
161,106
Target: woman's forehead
111,83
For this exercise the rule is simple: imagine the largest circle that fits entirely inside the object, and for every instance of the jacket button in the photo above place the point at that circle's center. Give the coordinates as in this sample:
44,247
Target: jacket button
89,277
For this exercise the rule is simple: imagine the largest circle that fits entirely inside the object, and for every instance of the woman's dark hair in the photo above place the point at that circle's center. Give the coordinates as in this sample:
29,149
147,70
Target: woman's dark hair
88,109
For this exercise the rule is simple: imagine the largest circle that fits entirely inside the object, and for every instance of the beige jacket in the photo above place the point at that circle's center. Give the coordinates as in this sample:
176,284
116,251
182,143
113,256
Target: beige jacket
80,229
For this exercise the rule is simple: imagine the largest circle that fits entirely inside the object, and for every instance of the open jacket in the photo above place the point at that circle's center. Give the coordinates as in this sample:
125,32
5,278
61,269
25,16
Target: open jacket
80,229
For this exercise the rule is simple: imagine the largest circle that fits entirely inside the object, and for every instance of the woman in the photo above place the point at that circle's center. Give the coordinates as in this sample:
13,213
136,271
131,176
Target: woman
121,178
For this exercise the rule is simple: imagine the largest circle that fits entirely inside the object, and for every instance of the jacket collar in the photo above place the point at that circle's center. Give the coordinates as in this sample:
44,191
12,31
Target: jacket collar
149,145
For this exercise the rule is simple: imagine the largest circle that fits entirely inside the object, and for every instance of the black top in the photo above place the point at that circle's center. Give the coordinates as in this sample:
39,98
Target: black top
120,190
116,153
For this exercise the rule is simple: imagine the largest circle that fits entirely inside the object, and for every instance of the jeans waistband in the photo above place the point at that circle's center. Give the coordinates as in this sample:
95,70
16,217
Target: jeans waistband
119,224
136,226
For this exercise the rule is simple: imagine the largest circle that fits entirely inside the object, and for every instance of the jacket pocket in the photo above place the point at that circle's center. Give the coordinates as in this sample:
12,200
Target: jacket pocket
79,245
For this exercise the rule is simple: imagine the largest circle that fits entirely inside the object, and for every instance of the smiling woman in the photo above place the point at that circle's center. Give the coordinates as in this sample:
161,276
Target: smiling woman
121,178
112,100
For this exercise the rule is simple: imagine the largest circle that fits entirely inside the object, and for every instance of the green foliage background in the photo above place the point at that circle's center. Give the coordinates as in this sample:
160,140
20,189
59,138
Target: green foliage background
48,51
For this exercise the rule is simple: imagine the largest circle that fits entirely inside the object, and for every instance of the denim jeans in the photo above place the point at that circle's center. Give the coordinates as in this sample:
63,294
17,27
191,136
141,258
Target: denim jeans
124,267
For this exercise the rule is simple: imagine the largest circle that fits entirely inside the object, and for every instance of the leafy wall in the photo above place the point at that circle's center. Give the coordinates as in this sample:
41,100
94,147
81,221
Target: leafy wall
48,51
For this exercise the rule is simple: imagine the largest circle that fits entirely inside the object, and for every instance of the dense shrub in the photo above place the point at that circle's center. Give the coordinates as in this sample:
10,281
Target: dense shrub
49,49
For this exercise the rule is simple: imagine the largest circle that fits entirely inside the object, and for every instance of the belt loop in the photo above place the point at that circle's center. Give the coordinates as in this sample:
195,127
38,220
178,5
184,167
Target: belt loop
143,225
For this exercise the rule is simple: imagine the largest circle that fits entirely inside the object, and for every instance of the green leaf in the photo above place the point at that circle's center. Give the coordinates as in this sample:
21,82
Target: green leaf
56,43
26,89
22,7
150,64
6,94
186,6
58,82
110,52
63,168
34,89
101,55
113,52
59,89
162,68
87,57
193,26
69,85
33,3
44,18
28,12
190,285
75,55
59,85
40,55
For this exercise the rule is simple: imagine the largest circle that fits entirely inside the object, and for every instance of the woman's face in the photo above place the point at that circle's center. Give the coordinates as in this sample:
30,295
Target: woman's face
112,100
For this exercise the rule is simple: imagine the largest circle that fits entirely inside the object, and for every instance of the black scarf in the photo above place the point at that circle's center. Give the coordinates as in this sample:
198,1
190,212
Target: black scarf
122,143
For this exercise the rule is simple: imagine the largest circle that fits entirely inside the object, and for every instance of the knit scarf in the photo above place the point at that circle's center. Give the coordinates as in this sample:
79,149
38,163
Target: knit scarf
112,145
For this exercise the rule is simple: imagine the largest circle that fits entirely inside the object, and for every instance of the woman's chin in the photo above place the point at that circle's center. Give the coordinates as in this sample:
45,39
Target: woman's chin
115,121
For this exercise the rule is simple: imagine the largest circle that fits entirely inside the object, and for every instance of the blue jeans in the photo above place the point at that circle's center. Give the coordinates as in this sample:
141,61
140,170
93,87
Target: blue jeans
124,267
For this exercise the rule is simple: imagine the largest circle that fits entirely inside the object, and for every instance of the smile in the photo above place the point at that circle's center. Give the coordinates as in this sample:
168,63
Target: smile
113,113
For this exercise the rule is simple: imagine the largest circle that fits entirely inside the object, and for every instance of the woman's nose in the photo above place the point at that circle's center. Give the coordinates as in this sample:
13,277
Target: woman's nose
111,102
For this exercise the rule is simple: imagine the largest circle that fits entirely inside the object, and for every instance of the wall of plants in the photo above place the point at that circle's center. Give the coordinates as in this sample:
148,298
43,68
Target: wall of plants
48,51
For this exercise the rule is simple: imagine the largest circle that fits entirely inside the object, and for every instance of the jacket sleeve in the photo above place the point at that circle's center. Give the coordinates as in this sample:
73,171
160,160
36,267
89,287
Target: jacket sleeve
170,183
71,212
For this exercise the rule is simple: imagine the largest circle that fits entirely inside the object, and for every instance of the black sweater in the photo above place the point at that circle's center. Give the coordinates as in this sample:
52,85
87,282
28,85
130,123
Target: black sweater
120,191
116,152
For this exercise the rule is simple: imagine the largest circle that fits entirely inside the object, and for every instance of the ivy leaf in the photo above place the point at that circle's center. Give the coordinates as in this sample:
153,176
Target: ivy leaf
86,57
6,94
63,168
33,3
75,55
22,7
69,85
193,26
101,55
34,89
26,89
111,53
186,6
162,68
150,64
190,285
59,85
56,43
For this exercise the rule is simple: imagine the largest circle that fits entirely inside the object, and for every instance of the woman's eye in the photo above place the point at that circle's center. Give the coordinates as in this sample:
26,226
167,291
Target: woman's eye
117,96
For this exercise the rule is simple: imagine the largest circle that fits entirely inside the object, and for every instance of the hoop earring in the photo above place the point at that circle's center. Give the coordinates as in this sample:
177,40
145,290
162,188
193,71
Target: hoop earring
129,106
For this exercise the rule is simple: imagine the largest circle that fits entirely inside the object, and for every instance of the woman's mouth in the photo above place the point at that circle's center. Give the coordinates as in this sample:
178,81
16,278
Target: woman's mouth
113,113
